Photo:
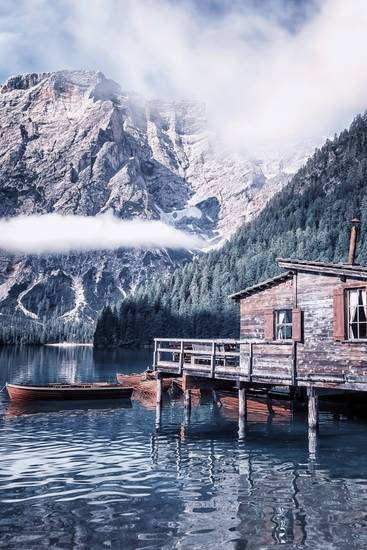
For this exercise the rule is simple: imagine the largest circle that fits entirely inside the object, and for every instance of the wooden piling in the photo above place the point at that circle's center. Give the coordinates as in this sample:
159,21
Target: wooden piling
313,408
159,389
155,355
242,400
269,404
187,399
312,443
241,427
216,398
158,416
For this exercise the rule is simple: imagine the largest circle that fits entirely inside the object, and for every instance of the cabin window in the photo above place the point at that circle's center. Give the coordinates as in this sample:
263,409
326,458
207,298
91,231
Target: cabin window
357,313
283,324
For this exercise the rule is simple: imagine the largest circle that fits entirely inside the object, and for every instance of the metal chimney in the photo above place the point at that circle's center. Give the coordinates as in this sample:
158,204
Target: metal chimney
353,241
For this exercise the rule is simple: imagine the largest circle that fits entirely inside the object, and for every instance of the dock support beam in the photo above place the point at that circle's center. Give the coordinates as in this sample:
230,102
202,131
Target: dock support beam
312,443
313,408
158,416
242,410
187,384
216,399
241,400
187,399
269,404
159,389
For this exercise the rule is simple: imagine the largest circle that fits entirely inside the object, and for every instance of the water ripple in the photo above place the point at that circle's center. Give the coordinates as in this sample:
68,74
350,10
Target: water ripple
106,477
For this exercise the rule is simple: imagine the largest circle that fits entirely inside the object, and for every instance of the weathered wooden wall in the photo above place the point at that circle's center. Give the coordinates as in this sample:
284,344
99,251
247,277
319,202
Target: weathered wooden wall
318,354
267,360
254,306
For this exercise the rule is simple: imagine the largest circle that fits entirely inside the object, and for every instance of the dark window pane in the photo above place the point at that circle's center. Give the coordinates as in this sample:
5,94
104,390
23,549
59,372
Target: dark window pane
288,332
288,316
362,330
354,330
362,315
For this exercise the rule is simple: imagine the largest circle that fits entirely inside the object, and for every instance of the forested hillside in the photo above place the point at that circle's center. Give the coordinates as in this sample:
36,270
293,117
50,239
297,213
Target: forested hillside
309,219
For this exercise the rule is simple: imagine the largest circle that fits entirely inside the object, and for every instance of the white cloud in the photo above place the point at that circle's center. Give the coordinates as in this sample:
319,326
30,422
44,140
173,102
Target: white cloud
55,233
264,84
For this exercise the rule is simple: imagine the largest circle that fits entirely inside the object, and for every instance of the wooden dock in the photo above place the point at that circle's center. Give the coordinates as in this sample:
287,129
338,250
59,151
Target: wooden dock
220,364
236,360
253,362
229,364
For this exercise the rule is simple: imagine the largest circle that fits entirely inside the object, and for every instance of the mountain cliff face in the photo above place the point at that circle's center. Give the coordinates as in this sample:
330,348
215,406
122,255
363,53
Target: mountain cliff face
74,143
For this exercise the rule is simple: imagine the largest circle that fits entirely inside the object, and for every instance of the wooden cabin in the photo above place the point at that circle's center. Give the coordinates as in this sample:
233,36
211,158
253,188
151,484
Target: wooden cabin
306,327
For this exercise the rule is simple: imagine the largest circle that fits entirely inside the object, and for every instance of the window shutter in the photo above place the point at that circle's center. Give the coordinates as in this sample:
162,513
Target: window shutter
269,326
296,324
339,322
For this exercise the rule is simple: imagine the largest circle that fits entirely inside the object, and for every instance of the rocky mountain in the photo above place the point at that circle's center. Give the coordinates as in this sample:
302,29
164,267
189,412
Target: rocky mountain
73,142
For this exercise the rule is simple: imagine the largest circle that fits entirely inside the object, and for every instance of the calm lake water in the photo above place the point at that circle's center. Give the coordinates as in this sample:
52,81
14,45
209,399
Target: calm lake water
104,475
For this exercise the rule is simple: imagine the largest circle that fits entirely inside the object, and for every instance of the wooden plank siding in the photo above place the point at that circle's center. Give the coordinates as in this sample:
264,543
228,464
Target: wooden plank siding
254,308
320,353
274,360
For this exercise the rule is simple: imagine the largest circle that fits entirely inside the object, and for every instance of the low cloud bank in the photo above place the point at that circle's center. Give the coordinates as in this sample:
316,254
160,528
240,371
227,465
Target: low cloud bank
55,233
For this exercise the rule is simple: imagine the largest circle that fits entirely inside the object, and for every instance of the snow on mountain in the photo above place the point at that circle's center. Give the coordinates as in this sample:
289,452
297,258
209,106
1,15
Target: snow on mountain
73,142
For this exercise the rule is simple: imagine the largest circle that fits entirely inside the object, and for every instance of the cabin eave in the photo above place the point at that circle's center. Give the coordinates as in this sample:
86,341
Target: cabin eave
269,283
326,268
294,265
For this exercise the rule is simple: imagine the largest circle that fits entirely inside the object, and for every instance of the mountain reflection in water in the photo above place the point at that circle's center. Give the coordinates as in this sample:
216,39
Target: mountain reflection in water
96,475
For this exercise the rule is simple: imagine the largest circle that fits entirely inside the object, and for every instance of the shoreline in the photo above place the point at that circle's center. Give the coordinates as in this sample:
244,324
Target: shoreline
69,344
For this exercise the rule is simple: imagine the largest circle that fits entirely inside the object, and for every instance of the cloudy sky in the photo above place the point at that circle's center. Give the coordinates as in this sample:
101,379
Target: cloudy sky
272,72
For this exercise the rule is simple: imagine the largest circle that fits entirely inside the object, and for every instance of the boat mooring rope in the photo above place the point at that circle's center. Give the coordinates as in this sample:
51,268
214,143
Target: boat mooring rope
3,388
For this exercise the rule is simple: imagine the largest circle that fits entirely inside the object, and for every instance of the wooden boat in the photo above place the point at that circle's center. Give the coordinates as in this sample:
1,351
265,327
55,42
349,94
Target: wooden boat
258,408
25,392
139,380
131,380
146,393
178,388
37,406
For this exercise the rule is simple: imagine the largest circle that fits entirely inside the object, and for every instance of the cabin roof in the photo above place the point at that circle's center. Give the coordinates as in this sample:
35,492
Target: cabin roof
326,268
293,265
262,286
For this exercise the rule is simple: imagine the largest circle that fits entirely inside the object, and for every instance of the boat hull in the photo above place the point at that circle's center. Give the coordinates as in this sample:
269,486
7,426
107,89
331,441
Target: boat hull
19,392
131,380
141,380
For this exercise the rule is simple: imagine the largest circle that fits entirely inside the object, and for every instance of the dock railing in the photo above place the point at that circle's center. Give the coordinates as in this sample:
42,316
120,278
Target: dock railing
225,358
